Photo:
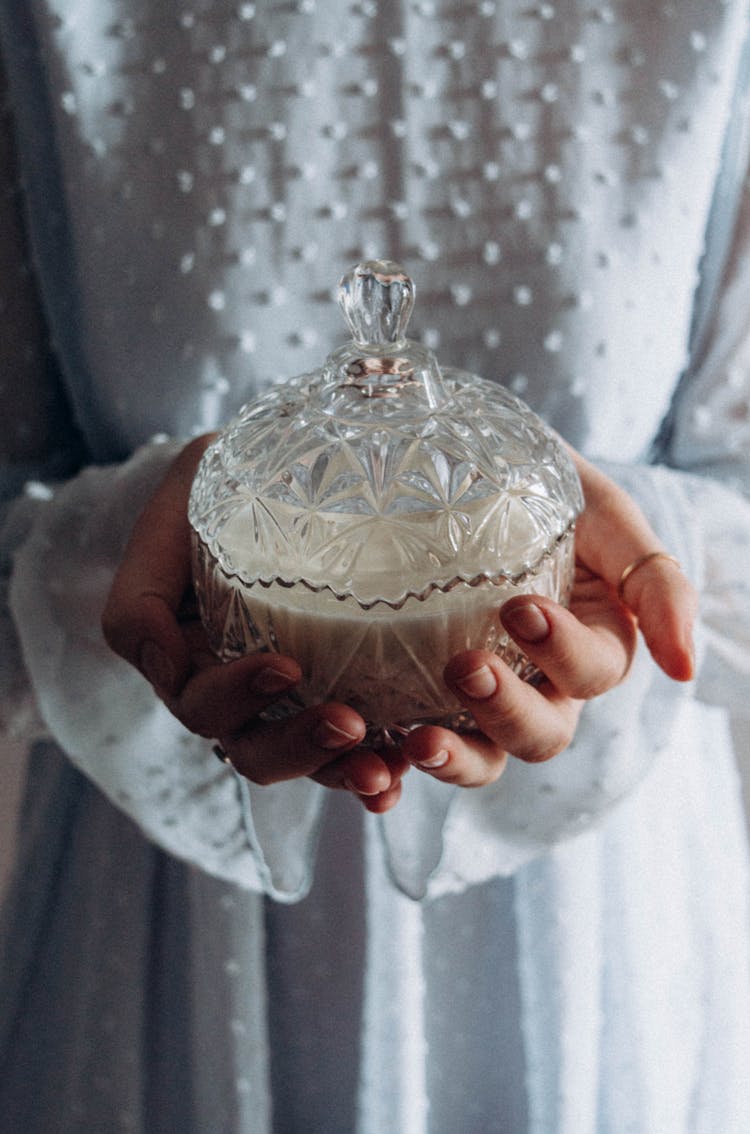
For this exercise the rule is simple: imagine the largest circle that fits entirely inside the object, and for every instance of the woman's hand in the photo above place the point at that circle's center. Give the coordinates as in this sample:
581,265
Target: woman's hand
582,652
151,620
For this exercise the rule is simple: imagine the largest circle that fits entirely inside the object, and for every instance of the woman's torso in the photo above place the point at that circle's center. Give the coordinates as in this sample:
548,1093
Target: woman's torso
204,175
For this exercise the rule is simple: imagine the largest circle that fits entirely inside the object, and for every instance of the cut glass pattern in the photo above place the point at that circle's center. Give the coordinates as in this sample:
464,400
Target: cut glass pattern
370,518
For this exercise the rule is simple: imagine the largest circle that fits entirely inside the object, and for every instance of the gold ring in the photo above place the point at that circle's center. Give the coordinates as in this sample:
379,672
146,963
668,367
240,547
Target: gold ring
640,562
221,754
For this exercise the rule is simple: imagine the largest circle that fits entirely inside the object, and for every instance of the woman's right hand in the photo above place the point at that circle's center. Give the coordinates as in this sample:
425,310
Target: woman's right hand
151,620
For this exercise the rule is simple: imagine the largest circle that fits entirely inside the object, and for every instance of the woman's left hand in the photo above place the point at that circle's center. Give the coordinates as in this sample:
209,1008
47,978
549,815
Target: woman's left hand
582,651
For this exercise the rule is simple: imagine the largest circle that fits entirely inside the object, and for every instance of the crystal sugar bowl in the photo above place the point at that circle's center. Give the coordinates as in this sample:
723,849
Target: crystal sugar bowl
369,519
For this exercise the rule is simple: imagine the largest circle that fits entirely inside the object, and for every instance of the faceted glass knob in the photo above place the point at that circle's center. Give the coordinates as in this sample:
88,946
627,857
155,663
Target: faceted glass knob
377,298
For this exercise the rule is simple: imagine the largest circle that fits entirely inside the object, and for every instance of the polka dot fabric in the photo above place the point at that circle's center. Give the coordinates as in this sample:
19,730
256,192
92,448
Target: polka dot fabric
534,165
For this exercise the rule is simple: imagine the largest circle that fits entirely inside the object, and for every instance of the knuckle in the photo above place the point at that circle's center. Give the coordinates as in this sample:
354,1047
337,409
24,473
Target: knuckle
592,686
556,744
485,778
552,751
479,773
493,771
497,717
590,677
253,757
195,720
564,737
538,757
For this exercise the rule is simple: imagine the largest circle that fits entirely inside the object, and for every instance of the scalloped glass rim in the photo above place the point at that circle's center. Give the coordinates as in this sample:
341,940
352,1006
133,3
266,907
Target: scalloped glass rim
482,577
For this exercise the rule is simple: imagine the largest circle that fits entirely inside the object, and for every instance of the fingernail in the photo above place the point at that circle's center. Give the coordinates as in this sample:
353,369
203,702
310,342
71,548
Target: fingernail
327,735
479,684
437,761
358,791
527,622
270,680
157,667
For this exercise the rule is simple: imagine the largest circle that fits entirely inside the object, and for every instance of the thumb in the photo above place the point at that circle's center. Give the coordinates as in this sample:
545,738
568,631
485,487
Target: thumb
665,604
613,534
140,621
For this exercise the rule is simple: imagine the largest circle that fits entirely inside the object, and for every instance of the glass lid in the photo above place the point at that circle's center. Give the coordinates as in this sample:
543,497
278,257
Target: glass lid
382,476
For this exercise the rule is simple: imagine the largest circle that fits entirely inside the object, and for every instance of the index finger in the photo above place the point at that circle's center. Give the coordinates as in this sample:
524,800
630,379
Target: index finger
613,533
